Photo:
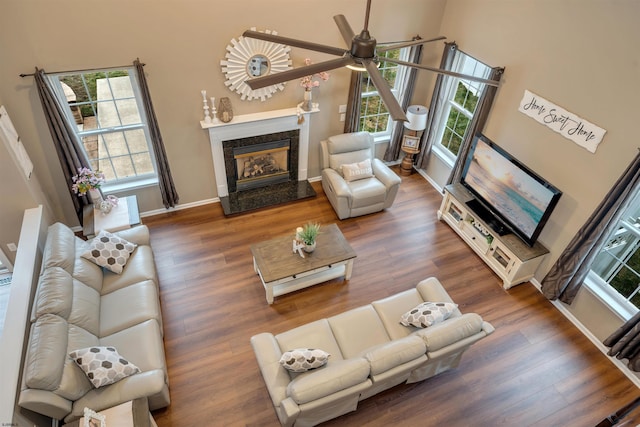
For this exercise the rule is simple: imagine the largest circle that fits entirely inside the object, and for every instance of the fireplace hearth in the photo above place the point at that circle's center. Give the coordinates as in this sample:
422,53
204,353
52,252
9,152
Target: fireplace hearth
262,171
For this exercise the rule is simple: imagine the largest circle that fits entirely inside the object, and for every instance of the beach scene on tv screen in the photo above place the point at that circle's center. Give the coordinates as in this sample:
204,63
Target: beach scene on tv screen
512,192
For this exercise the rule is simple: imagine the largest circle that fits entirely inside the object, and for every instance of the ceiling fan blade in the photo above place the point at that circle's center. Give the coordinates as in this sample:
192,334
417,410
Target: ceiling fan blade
445,72
293,42
345,29
407,44
285,76
395,110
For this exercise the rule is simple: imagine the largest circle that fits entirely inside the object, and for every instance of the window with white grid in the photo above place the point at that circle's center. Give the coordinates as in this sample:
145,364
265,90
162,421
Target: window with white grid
105,110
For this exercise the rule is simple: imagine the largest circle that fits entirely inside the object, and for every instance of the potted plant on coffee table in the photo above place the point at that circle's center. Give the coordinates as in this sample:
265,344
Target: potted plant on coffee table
308,235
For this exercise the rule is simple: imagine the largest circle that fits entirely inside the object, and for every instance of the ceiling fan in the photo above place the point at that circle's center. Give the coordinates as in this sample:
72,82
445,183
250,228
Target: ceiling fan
362,52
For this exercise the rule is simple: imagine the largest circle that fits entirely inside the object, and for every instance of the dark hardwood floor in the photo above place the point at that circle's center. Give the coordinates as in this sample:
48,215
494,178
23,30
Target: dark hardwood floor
537,369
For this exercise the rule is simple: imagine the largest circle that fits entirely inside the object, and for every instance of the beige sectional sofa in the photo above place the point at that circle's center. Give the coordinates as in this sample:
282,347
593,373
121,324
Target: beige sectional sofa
370,352
78,305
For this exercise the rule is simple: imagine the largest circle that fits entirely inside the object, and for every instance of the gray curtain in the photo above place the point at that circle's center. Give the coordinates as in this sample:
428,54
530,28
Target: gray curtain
395,143
624,342
438,99
352,116
477,124
67,145
165,181
566,276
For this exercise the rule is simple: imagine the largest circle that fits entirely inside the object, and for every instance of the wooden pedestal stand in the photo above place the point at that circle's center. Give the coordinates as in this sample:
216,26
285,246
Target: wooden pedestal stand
406,167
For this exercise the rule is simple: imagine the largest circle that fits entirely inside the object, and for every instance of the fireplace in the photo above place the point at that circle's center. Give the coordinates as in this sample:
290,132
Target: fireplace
261,159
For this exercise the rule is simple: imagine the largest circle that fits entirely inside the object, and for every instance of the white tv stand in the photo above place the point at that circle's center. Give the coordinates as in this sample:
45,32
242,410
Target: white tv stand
508,256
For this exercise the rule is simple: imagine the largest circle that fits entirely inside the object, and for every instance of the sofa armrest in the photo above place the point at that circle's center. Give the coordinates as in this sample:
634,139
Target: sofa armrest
336,182
276,378
138,235
431,289
44,402
451,331
384,174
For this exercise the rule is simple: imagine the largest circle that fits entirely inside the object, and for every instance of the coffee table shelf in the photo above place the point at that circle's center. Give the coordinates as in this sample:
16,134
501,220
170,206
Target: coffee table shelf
282,271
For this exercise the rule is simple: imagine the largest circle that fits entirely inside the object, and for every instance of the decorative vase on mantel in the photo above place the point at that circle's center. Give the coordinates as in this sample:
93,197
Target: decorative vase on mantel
96,197
307,104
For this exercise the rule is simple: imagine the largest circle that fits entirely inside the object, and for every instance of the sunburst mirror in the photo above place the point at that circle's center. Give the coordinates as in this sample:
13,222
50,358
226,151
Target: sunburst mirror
248,58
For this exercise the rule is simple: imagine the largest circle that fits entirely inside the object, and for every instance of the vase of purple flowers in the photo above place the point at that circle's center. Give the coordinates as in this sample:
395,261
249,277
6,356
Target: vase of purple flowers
88,181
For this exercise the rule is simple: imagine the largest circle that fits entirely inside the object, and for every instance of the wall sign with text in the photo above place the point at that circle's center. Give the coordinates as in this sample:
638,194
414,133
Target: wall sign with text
567,124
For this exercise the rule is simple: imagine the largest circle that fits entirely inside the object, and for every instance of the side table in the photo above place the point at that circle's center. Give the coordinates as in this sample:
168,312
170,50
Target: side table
134,413
124,215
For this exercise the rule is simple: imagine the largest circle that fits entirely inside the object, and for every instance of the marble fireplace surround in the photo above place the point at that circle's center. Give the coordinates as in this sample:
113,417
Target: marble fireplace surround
255,124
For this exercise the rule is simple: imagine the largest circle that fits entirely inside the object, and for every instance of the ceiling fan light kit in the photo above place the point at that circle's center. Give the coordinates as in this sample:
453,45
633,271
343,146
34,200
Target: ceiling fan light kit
361,55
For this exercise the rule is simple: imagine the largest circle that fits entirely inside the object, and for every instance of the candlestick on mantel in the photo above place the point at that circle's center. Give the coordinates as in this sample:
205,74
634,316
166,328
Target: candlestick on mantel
207,118
213,110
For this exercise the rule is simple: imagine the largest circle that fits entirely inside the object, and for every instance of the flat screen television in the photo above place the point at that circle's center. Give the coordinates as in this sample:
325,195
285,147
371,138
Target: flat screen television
508,195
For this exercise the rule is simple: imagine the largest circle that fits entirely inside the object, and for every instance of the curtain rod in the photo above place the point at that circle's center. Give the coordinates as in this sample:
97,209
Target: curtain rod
90,69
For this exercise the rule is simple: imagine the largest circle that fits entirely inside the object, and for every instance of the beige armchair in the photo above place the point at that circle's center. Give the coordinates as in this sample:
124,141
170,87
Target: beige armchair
355,182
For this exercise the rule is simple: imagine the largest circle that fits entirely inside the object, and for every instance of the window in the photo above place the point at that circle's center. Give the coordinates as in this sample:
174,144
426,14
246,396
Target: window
374,116
104,109
460,105
615,273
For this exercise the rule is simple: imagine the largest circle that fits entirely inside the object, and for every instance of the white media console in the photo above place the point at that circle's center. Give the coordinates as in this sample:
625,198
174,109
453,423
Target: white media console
508,256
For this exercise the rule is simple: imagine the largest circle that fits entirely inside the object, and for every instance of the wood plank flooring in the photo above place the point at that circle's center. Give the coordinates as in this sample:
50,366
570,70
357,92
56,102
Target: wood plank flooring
537,369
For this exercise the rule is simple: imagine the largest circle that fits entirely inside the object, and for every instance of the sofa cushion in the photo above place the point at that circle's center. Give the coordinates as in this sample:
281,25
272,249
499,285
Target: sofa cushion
85,308
356,171
303,359
391,308
103,365
140,344
54,295
60,248
129,306
348,148
394,353
367,192
87,271
335,376
74,383
47,352
357,330
316,334
140,267
109,251
427,314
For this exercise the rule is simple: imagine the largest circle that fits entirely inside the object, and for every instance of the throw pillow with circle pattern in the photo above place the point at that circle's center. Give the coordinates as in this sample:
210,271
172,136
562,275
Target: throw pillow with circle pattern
428,314
103,365
303,359
109,251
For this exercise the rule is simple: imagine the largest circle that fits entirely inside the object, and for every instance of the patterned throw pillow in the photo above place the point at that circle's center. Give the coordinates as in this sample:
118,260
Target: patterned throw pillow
303,359
427,314
103,365
109,251
355,171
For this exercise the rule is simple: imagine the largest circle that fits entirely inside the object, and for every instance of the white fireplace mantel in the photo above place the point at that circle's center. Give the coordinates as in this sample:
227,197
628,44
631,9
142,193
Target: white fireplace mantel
248,125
